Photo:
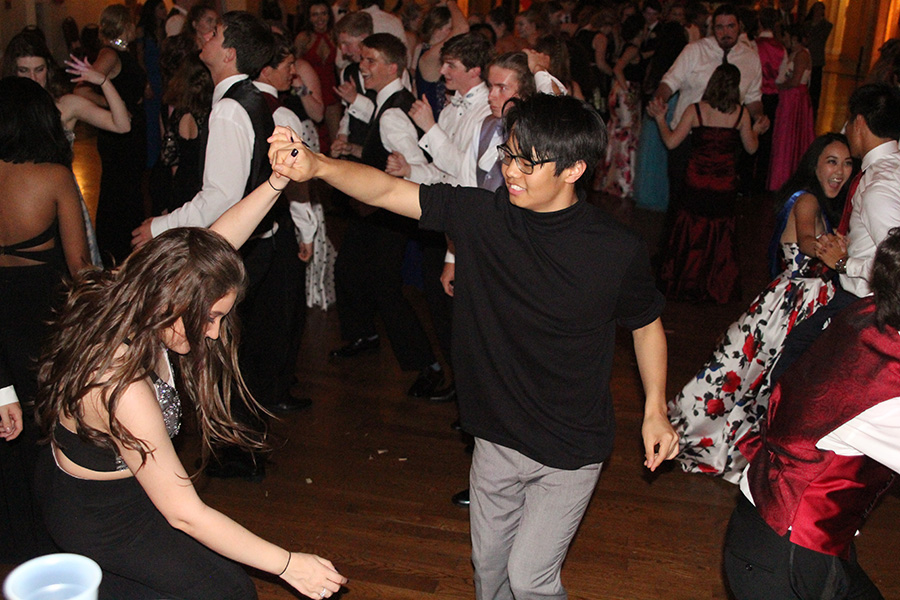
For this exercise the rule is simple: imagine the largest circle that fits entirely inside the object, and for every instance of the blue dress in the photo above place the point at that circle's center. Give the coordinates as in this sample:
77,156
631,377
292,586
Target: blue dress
651,186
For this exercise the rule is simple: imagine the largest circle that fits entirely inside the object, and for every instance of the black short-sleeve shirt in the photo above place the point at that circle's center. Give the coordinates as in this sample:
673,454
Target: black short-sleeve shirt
537,297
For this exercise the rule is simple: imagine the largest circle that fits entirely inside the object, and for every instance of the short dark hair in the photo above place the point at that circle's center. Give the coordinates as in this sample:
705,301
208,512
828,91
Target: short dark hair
726,9
562,129
879,105
251,39
517,62
632,27
357,24
30,125
485,31
391,48
281,48
501,16
768,17
471,49
723,92
886,281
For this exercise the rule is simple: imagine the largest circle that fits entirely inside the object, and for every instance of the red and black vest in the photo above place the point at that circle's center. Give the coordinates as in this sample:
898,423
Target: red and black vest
824,498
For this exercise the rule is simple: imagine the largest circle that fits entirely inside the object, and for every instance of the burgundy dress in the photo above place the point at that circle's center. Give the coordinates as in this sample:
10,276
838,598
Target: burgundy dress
702,260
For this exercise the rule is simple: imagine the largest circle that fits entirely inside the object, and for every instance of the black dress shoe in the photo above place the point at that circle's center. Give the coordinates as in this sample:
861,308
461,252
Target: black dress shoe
426,383
244,469
461,498
445,394
456,425
356,347
289,405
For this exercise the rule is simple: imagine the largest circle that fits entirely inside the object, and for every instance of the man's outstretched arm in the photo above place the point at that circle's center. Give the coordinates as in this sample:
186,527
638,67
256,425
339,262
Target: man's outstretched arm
368,185
660,440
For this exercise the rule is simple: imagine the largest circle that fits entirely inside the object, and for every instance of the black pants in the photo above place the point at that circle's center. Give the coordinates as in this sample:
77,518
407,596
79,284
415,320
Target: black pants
368,282
803,335
440,305
142,556
761,565
273,314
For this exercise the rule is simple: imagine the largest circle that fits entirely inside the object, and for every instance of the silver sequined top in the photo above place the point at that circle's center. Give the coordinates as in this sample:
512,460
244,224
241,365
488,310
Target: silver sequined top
170,403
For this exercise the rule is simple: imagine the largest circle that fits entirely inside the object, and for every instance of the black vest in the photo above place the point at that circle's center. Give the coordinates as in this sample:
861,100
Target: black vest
358,129
252,100
373,152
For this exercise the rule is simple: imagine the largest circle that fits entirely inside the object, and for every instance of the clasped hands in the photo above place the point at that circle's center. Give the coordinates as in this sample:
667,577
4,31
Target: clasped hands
830,248
290,158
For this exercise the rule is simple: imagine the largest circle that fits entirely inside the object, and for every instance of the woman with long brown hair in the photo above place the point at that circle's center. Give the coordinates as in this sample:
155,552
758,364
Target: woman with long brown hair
111,483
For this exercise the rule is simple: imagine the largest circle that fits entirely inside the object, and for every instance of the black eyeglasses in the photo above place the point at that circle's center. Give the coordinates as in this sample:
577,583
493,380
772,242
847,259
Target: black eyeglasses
523,163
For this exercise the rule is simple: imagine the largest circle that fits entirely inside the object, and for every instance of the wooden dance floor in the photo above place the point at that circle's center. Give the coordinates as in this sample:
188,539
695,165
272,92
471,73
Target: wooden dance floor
365,476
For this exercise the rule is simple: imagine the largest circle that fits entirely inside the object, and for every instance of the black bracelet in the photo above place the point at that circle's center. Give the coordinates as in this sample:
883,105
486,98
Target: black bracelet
277,190
287,565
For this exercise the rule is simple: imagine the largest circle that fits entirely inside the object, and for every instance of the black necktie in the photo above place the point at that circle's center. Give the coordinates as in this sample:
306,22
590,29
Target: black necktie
725,55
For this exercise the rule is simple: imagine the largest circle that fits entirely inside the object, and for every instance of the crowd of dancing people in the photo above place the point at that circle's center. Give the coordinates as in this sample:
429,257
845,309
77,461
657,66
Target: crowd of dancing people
223,137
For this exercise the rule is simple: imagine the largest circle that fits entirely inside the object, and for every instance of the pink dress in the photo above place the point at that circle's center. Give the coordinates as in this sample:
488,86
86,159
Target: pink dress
794,128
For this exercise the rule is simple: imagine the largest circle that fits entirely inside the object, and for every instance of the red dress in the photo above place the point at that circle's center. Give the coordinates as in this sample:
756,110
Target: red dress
322,60
702,259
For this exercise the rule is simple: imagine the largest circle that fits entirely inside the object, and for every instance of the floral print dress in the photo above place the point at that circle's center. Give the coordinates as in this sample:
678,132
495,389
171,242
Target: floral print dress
731,392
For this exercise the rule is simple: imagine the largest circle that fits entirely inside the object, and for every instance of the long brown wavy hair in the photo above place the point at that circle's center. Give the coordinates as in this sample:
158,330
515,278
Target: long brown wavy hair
179,274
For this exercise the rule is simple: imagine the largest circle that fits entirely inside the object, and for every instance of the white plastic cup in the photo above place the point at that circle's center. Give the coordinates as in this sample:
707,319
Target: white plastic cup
54,577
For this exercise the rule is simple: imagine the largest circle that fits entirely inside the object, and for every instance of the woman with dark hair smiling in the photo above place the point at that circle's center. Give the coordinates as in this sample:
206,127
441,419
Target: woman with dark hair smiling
731,391
315,45
42,242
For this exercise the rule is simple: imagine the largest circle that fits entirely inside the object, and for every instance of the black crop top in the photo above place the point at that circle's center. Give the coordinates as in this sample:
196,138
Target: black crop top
103,460
20,249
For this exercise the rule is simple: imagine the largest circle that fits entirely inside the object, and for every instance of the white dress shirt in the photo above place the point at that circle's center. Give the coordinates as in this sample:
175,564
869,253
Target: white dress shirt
175,24
229,152
544,83
695,65
362,108
449,140
301,212
874,433
397,131
8,395
385,22
876,210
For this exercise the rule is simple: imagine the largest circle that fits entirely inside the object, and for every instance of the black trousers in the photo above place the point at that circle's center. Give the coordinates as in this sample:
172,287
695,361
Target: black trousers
803,335
142,556
368,282
761,565
440,305
273,314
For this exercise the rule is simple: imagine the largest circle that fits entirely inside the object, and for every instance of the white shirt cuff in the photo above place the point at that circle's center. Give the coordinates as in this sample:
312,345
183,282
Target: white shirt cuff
8,395
450,257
